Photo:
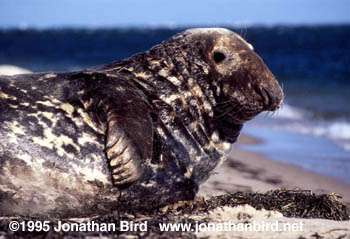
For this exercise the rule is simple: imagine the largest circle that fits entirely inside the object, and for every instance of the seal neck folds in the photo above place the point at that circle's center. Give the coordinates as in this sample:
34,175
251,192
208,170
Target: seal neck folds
181,98
176,84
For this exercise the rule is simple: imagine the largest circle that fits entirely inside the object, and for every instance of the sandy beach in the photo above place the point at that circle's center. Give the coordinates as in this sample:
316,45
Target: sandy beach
252,172
249,171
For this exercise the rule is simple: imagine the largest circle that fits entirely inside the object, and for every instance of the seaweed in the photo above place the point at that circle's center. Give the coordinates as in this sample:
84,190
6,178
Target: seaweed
291,203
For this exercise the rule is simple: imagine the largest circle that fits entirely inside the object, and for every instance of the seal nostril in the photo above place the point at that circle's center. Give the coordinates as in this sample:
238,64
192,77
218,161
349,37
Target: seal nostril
219,57
268,100
265,97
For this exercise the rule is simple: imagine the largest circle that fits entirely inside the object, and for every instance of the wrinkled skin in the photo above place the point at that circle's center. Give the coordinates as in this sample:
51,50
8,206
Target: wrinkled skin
143,132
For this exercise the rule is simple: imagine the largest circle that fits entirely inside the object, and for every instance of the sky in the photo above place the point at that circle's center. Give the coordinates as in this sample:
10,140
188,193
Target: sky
114,13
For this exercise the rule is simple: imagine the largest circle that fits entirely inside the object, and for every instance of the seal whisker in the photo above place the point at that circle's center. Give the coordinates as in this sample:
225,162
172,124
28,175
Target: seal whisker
224,102
223,107
228,111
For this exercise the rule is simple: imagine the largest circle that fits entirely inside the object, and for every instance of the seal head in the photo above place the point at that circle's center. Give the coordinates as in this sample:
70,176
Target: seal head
244,85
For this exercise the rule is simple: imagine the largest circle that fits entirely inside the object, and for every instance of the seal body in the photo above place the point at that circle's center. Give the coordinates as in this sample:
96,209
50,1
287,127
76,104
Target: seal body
140,133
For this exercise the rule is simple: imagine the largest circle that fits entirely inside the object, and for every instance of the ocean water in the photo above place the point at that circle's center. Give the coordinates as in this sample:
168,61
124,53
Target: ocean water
312,63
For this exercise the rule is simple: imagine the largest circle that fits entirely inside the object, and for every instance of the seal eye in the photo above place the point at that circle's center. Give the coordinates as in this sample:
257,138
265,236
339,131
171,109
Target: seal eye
219,57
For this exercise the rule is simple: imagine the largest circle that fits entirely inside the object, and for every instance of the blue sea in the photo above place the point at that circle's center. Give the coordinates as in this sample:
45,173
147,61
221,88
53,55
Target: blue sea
312,63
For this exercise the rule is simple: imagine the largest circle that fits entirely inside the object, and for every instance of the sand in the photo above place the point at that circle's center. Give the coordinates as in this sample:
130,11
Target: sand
267,224
250,171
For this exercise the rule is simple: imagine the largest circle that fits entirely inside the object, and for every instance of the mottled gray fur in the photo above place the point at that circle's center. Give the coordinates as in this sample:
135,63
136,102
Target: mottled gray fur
142,132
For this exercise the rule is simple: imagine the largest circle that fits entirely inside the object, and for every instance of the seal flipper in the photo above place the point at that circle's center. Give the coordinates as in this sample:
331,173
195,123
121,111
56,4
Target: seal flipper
129,140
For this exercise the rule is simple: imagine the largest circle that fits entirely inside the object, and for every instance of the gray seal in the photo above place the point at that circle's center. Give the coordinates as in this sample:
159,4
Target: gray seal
138,133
